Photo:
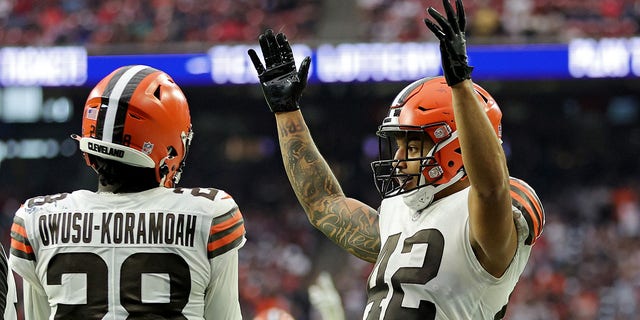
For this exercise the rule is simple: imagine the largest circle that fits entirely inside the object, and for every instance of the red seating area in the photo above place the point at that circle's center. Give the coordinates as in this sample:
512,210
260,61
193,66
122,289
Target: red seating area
511,21
64,22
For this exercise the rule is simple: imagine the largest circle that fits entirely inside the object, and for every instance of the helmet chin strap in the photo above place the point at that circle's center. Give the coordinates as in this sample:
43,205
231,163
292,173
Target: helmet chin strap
421,198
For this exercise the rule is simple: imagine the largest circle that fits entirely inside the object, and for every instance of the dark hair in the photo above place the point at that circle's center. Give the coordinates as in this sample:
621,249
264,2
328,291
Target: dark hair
125,178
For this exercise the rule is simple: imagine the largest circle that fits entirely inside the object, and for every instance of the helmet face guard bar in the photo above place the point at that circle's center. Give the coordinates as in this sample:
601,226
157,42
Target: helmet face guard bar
389,180
186,142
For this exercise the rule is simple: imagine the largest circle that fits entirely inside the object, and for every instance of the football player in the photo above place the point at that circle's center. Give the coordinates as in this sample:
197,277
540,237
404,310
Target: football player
8,293
453,232
139,247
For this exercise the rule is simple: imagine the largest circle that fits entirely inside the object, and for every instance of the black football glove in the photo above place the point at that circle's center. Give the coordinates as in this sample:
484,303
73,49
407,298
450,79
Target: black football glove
453,47
282,84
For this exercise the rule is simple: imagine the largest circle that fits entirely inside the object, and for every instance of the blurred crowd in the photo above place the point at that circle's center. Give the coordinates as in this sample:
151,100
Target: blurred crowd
508,20
96,23
86,22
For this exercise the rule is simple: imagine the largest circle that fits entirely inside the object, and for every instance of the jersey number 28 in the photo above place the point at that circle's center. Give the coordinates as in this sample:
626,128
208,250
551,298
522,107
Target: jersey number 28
131,274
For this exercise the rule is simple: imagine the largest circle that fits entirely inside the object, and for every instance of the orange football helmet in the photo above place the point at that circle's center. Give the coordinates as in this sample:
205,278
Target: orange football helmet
426,107
139,116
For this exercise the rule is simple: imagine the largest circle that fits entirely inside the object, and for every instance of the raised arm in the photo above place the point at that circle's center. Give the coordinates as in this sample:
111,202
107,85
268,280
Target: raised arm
492,229
348,222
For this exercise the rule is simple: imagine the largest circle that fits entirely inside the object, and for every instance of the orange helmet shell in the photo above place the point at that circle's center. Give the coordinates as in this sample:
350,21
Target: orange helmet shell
139,116
426,106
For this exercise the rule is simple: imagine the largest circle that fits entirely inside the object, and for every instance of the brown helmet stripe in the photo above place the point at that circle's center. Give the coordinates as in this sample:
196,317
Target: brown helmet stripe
115,102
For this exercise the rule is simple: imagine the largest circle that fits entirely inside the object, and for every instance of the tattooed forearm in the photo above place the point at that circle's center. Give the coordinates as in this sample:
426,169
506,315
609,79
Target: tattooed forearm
353,227
358,233
309,174
291,127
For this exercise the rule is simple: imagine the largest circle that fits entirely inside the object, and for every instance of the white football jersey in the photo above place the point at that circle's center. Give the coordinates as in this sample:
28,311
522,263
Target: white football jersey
166,253
427,269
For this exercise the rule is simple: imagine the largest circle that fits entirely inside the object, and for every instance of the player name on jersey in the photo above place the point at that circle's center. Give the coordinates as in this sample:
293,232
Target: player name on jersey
117,228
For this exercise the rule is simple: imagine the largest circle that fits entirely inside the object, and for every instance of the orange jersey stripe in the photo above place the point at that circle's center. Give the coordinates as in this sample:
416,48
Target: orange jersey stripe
525,198
231,237
529,211
19,229
20,246
534,199
17,245
235,217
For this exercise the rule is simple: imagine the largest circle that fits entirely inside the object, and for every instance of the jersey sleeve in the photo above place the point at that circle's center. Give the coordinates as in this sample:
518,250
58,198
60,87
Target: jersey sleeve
222,298
226,236
22,258
226,232
525,199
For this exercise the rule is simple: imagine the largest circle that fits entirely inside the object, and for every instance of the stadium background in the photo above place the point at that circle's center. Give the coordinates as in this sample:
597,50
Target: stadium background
576,141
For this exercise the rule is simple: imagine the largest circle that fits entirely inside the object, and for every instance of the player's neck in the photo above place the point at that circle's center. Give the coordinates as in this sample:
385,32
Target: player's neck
452,189
122,188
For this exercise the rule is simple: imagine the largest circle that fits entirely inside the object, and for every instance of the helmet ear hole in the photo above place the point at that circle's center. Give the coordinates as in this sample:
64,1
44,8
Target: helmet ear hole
171,152
157,93
451,163
486,100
